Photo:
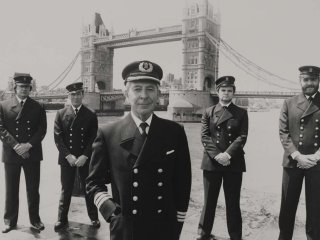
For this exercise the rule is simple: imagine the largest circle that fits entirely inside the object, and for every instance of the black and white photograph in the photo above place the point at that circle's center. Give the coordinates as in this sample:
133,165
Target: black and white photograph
160,120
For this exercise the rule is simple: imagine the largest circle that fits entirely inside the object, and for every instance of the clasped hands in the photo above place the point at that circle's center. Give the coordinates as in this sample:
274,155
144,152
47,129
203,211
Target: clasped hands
307,161
223,159
22,149
76,162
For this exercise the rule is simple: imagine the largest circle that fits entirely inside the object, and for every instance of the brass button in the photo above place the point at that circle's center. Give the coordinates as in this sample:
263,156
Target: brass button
160,184
135,198
160,170
134,211
135,184
300,143
135,170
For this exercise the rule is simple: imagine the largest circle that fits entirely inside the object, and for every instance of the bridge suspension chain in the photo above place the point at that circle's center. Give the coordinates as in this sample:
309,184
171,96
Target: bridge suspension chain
64,73
248,66
235,53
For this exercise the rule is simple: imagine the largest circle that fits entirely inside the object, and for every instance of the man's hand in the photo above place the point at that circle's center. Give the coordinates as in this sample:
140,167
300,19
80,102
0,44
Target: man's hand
315,157
306,161
25,155
223,159
81,161
22,148
71,160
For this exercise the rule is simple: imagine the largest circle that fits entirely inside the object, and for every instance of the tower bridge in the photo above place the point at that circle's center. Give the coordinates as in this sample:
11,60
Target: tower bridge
200,55
201,45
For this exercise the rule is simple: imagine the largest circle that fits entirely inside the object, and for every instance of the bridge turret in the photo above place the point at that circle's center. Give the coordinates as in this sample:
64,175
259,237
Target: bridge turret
96,61
200,56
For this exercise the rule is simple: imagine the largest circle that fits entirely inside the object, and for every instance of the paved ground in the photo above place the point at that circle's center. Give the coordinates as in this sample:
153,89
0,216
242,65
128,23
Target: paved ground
80,227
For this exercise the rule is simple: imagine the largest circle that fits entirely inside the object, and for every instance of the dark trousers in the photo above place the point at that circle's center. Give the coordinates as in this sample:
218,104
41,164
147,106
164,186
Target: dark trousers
232,187
291,188
12,183
67,181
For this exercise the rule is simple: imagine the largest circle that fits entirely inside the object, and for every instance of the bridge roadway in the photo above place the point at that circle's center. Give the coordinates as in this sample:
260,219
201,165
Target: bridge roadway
109,96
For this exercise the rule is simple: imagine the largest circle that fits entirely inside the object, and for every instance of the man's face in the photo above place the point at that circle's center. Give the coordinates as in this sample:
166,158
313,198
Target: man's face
309,84
143,97
76,98
225,94
23,90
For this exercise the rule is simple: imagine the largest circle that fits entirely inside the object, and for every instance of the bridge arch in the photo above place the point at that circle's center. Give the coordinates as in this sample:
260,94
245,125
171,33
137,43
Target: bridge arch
208,83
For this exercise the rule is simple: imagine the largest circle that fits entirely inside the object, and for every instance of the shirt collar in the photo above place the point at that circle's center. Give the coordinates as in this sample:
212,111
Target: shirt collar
225,105
74,109
307,97
19,100
138,121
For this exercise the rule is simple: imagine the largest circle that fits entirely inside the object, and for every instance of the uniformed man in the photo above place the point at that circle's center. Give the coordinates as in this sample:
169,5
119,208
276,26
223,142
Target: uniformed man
299,135
146,160
23,125
75,128
223,135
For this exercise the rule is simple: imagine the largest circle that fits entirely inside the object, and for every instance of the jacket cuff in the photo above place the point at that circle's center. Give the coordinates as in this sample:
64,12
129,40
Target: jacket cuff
106,205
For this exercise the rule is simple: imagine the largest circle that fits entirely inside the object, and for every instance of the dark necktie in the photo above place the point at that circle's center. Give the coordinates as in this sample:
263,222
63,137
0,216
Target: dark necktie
76,111
21,103
310,99
144,126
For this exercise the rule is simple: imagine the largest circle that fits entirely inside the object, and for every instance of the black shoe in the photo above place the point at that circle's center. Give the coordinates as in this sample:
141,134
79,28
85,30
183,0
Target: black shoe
95,223
8,228
60,225
38,225
206,237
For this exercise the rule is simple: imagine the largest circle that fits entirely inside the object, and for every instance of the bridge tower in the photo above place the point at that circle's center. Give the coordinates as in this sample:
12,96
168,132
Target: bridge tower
200,56
96,61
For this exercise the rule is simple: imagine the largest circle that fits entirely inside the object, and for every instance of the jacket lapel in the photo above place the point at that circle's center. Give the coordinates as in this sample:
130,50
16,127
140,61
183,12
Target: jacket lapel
152,145
70,116
130,136
15,107
313,107
222,114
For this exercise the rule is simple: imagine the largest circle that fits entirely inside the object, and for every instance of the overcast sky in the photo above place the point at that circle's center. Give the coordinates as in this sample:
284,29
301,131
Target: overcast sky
42,37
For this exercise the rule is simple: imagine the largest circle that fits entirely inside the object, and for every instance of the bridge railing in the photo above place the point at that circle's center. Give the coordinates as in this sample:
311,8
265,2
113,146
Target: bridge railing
266,93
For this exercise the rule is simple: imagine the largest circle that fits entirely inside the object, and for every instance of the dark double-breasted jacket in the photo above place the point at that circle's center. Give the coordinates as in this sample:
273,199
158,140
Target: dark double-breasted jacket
74,134
224,130
299,128
26,125
152,186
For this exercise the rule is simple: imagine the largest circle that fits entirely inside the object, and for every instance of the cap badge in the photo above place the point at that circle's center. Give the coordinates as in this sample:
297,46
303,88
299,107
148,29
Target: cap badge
145,67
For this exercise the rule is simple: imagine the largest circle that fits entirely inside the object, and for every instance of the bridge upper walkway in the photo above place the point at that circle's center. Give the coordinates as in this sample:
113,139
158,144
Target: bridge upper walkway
134,37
